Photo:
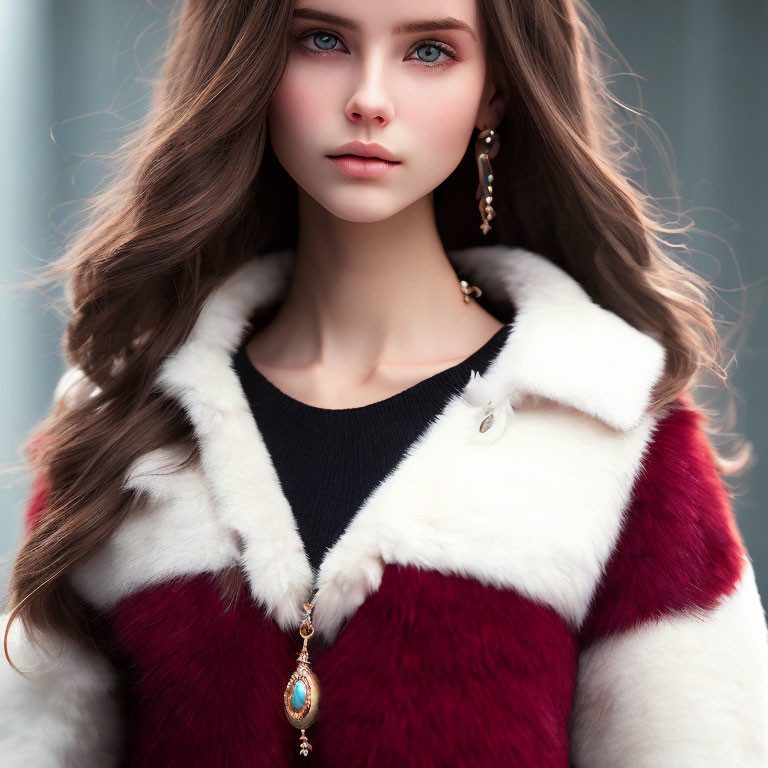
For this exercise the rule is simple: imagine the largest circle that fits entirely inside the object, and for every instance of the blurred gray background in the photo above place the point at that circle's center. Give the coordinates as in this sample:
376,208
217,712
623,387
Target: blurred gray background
74,77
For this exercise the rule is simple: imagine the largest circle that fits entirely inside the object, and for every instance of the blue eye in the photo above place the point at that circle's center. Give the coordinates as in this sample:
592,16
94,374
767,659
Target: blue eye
433,52
428,53
325,41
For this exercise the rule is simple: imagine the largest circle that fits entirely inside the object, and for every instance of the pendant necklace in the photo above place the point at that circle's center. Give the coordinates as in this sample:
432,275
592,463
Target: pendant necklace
301,698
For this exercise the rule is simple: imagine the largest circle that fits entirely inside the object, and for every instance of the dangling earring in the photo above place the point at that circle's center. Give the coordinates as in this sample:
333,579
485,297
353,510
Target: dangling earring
486,147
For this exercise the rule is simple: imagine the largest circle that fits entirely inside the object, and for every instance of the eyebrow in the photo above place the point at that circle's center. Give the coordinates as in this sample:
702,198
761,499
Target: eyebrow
426,25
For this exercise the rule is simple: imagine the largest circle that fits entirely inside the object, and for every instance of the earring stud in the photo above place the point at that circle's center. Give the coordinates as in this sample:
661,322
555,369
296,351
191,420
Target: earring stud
486,147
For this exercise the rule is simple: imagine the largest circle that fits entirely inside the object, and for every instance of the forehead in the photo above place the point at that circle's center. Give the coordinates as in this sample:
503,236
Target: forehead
391,16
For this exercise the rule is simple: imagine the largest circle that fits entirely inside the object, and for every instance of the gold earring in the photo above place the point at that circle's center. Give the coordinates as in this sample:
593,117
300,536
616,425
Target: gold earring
486,147
468,290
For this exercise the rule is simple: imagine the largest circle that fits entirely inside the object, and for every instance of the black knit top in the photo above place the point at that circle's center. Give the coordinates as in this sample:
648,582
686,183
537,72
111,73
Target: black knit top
329,460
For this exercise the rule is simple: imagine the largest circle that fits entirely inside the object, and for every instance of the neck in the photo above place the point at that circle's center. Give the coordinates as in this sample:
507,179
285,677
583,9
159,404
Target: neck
374,292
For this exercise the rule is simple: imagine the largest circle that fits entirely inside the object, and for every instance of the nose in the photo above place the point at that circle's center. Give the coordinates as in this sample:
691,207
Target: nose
370,101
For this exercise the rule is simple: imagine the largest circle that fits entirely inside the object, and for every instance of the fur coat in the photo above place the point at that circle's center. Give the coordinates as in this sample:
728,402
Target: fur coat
566,588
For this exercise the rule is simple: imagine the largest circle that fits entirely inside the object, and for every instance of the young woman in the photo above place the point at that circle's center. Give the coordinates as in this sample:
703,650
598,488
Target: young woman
378,445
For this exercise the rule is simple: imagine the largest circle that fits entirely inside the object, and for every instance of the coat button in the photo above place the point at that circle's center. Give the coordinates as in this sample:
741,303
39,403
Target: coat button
486,423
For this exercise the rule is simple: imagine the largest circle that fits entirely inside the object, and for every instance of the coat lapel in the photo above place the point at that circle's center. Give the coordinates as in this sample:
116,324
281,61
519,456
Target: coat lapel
437,507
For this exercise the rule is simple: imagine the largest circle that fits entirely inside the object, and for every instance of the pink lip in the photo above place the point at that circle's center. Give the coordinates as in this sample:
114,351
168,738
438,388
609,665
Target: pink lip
364,150
364,161
363,167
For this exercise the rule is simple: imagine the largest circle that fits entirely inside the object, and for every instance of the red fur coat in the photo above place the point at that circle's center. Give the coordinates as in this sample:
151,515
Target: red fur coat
566,588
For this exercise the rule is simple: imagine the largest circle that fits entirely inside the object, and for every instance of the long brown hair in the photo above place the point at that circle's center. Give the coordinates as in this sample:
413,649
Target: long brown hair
197,190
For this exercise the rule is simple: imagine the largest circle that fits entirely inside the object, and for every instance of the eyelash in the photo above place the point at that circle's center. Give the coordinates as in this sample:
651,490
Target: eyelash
443,47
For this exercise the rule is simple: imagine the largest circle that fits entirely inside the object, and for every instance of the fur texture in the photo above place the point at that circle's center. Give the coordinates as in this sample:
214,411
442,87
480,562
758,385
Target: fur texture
173,534
680,549
65,710
674,651
687,690
431,671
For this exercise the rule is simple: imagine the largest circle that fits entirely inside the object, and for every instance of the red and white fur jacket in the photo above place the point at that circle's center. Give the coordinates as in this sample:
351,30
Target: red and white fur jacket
567,588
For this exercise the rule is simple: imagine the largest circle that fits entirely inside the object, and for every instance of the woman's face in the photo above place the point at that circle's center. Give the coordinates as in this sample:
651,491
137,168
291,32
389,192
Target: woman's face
352,75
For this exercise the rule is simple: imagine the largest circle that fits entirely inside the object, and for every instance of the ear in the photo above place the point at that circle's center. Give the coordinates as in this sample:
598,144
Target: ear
492,105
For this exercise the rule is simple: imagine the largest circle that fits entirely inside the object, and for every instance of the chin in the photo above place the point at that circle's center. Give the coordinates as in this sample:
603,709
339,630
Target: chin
360,210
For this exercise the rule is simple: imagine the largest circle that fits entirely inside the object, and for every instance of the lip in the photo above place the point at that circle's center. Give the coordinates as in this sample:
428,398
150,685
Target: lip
365,150
364,161
363,167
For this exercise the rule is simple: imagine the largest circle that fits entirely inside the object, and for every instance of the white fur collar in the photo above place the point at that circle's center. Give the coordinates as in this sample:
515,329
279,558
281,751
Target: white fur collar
533,503
564,346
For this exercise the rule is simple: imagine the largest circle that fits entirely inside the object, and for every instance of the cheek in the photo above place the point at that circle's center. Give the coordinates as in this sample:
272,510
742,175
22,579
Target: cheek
442,124
450,121
297,107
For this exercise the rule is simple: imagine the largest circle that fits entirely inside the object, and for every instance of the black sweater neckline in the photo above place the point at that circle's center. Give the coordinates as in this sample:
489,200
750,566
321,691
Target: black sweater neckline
403,404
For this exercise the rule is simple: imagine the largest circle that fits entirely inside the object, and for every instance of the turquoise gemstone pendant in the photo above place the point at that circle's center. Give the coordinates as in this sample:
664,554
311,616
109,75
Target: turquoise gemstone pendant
301,699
